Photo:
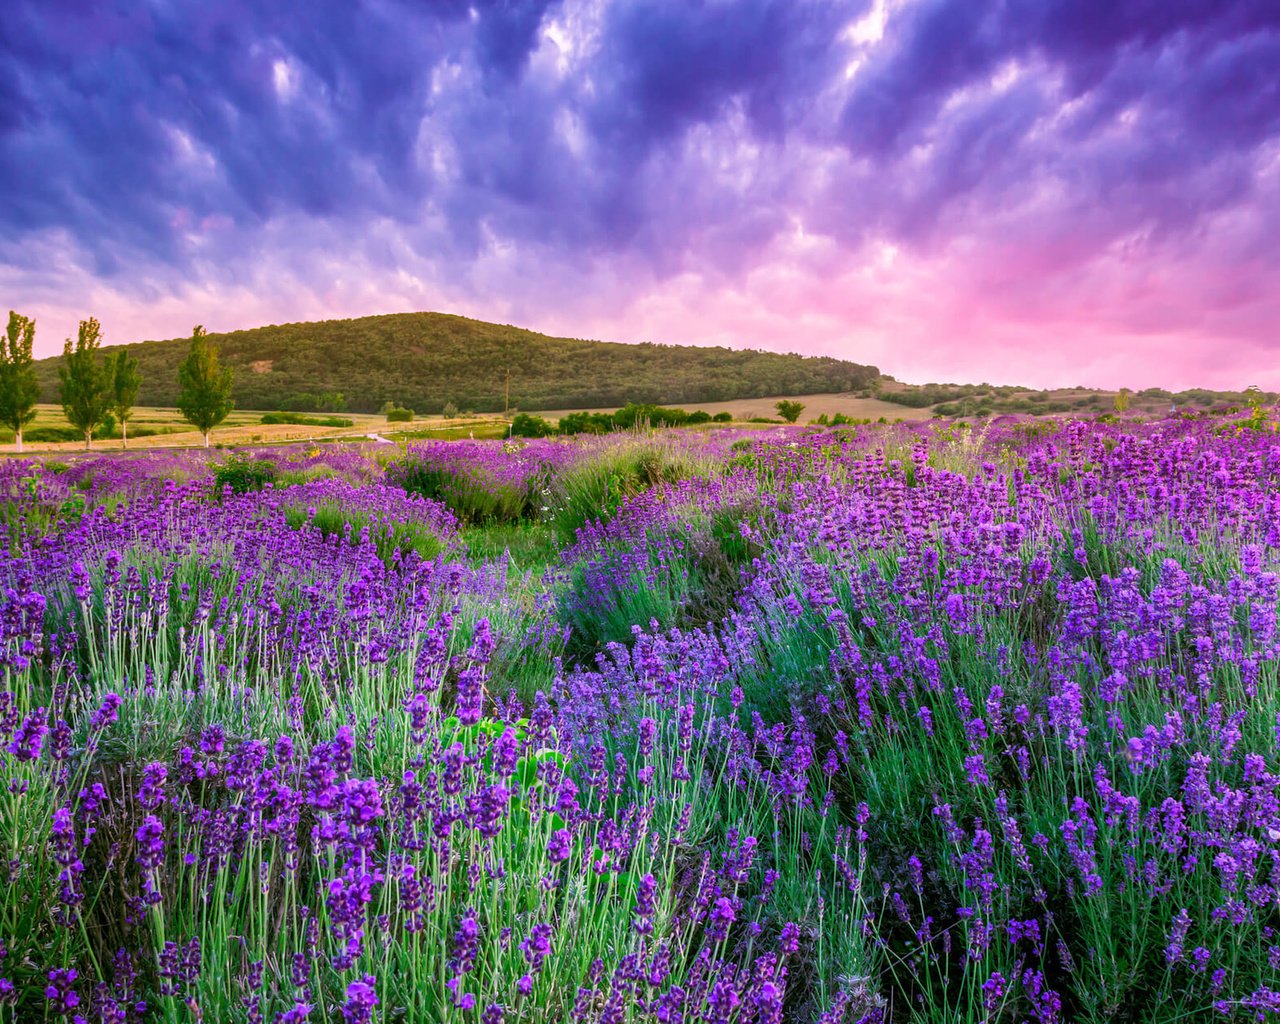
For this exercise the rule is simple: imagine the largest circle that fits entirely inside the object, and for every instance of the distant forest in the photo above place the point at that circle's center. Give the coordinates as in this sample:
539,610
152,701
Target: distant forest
426,360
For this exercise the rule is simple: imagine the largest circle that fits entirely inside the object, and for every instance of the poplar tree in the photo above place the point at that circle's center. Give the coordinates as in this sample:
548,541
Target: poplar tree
19,388
86,391
205,398
122,372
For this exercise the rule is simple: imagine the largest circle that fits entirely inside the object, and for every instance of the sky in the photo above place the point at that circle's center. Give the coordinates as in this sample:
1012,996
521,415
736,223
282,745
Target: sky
1041,192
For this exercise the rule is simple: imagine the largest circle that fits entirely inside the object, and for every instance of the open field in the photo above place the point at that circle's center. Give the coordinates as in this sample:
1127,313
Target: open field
814,406
911,723
244,427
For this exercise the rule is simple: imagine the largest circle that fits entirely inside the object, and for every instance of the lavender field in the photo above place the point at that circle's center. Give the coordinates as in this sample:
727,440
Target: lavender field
891,723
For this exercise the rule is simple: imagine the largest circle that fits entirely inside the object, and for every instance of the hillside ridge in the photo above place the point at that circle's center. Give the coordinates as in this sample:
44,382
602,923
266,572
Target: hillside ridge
426,360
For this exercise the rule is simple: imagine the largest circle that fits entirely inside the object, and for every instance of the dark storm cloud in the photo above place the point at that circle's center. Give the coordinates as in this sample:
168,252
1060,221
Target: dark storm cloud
1130,104
230,140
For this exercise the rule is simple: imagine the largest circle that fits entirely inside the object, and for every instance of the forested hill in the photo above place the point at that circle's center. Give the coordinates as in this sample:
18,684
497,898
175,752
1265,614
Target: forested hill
424,360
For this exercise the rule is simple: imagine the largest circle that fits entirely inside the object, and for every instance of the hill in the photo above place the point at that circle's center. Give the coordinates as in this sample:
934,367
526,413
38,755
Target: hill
425,360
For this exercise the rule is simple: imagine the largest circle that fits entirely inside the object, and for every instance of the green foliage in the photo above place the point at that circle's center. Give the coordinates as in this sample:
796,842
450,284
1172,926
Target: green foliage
634,415
470,492
52,435
243,473
595,487
485,430
789,410
325,401
450,411
86,390
397,414
586,423
841,420
722,417
205,396
19,389
122,372
301,419
527,545
390,539
427,360
525,425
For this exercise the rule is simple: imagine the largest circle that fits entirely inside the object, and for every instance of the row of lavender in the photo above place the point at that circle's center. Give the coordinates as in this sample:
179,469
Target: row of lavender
873,725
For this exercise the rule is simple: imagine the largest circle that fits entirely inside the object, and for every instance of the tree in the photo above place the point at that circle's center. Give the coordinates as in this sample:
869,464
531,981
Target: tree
1123,397
86,391
789,411
124,378
205,396
19,388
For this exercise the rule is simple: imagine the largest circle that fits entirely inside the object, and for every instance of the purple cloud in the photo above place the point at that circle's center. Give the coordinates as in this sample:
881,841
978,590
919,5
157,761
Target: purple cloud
959,173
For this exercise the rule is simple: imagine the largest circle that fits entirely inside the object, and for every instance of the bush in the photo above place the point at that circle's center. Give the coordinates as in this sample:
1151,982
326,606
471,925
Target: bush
789,411
524,425
398,414
450,411
722,417
244,473
586,423
303,420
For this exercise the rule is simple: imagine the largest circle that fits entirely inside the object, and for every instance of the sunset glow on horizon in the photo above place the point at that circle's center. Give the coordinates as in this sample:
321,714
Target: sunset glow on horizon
1038,192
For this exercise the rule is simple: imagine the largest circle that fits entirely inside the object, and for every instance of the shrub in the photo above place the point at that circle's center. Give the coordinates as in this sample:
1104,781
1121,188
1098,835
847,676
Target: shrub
524,425
586,423
301,419
722,417
450,411
789,411
244,473
398,414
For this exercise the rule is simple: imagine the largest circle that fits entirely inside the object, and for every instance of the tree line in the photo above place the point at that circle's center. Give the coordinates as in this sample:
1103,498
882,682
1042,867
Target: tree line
98,392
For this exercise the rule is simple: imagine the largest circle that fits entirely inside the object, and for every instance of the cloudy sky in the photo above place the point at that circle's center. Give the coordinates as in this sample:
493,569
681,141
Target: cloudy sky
1038,191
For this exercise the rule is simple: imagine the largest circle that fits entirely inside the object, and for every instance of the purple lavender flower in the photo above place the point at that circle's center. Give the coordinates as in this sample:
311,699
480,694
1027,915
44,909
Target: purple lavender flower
29,738
719,918
362,997
107,713
151,792
559,845
60,992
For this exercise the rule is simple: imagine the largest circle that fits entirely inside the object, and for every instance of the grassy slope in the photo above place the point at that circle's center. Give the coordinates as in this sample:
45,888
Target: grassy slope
427,359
